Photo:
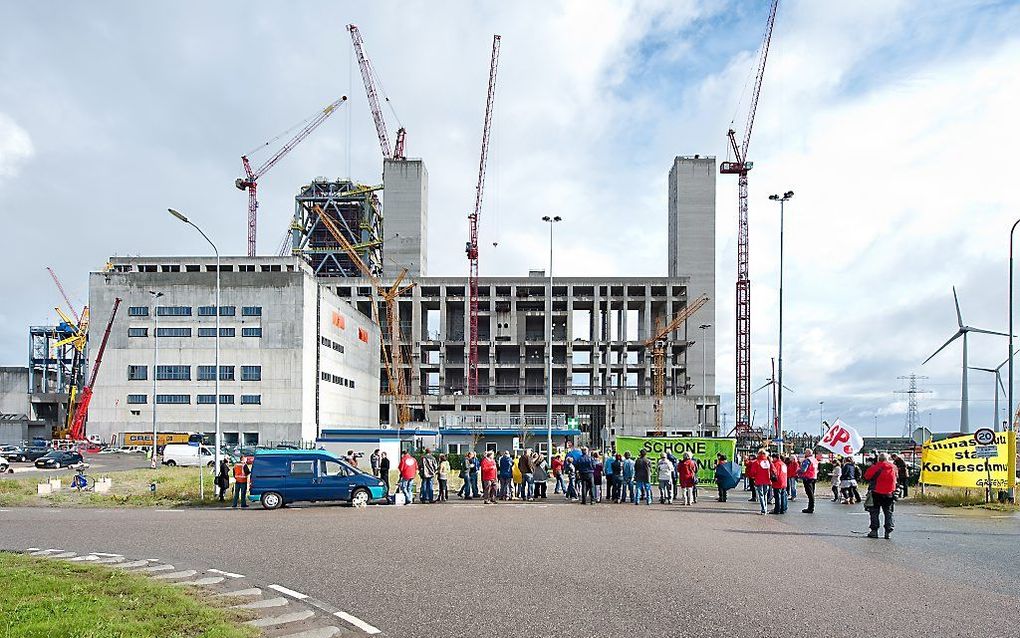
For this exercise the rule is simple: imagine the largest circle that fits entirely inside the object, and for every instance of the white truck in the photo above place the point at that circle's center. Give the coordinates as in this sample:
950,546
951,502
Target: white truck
185,454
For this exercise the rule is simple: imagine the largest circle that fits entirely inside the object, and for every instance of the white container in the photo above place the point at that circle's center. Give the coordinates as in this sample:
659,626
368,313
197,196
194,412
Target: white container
55,485
44,489
103,485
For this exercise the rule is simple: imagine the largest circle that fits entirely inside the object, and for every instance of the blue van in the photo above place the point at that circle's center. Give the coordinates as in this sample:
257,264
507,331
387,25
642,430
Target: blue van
284,476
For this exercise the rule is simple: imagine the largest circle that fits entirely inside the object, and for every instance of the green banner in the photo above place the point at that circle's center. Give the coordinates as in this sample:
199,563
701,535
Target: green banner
703,451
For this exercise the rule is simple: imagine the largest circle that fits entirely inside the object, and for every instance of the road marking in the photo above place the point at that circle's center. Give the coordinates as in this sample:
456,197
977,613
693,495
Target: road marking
45,552
106,555
357,622
282,620
279,601
134,563
187,573
112,559
32,549
254,591
5,510
227,574
62,555
203,582
171,510
936,515
289,592
320,632
154,568
83,558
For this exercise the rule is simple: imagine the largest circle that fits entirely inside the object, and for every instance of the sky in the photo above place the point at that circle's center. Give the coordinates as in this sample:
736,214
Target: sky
891,120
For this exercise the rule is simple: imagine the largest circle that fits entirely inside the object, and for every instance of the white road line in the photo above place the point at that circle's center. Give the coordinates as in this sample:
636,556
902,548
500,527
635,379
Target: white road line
32,549
5,510
289,592
282,620
357,622
223,573
936,515
171,510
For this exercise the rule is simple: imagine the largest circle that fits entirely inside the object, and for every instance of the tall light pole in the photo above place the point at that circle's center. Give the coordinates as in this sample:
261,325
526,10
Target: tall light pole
216,363
782,199
704,377
155,360
821,419
548,339
1011,431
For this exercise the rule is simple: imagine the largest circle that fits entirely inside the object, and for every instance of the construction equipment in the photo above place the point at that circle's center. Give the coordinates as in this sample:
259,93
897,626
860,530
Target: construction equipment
369,78
63,293
658,345
250,181
393,357
75,334
740,167
472,244
77,430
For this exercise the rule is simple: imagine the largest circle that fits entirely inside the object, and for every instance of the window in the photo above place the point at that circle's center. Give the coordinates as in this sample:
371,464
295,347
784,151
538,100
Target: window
138,373
251,311
206,399
173,399
226,399
363,334
226,332
207,332
302,468
251,332
226,373
207,373
138,332
250,373
453,448
173,311
332,468
138,399
227,311
491,447
138,311
251,399
207,311
173,373
173,332
352,384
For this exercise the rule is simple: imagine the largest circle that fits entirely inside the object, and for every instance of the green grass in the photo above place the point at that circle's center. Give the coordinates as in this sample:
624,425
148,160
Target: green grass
175,486
956,497
53,598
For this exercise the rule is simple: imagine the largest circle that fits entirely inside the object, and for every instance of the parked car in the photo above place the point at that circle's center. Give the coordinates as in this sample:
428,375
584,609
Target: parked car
13,453
36,451
185,454
58,458
285,476
5,466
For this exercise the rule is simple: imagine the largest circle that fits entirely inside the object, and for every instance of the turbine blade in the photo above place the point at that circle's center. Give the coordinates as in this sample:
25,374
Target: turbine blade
987,332
956,300
951,339
998,378
982,369
788,389
1015,352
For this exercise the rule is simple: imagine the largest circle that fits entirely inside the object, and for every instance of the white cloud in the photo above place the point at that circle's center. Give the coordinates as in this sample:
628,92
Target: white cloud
15,146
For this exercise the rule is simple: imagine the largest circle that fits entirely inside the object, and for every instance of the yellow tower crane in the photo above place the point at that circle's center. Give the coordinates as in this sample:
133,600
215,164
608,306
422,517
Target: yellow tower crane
658,345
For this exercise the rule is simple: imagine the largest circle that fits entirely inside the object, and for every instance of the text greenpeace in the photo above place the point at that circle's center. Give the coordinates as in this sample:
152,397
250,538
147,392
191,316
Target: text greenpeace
953,463
703,451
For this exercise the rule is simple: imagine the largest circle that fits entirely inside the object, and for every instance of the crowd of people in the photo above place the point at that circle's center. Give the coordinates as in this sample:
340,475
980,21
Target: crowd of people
594,476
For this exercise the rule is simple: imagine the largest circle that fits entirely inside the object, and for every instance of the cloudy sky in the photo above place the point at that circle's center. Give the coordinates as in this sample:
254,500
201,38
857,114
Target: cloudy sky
894,121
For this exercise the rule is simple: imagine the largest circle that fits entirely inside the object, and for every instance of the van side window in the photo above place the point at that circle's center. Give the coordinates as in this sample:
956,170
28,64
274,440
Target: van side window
302,468
332,468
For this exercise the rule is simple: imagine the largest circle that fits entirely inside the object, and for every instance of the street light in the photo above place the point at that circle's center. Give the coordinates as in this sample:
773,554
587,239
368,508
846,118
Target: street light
782,199
704,377
1011,436
821,419
155,359
216,363
548,338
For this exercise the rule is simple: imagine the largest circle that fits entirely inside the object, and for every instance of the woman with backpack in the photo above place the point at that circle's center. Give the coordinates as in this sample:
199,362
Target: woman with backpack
848,482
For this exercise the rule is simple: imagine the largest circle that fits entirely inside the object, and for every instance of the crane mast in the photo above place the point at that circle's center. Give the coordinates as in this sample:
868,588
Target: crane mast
740,167
472,245
250,181
368,77
77,430
658,345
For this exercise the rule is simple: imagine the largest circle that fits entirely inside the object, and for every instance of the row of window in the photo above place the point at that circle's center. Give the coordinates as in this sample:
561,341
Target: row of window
329,343
202,332
201,399
333,378
203,311
183,373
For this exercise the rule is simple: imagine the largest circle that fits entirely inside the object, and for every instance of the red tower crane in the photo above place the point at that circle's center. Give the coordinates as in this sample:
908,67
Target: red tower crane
368,77
740,167
63,293
472,245
250,181
77,430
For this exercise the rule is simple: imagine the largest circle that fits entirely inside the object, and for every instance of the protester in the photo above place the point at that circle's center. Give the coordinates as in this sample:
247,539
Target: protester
836,475
429,467
505,474
488,471
585,466
352,458
408,470
808,473
674,476
627,492
881,479
901,473
541,471
557,471
374,462
517,478
642,479
384,470
762,477
443,474
476,465
665,469
571,473
526,467
607,471
721,475
241,472
780,481
749,473
848,482
598,469
792,469
686,470
223,478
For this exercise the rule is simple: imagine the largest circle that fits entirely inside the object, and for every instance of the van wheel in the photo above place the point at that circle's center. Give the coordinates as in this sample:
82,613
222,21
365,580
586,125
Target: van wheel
271,500
360,497
170,463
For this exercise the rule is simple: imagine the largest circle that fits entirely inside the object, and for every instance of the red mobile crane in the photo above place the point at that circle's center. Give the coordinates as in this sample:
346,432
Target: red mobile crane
250,181
368,77
472,245
740,167
77,430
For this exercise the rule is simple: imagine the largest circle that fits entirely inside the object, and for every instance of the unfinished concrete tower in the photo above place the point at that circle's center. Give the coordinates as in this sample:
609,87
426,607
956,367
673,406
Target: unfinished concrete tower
405,217
692,254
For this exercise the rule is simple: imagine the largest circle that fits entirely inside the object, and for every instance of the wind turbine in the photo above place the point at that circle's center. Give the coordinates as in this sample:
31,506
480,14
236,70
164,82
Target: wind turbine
996,384
963,331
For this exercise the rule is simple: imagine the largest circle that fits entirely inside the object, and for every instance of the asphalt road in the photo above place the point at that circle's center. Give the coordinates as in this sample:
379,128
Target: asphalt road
606,570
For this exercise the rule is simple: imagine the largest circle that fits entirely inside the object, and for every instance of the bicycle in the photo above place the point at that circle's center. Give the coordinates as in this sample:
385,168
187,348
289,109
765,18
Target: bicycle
82,481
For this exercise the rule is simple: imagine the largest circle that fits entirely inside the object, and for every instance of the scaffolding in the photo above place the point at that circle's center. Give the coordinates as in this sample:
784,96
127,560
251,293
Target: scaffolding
355,210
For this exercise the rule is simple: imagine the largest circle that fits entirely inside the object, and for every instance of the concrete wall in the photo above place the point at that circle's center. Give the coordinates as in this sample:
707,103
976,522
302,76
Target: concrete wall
692,252
354,402
405,216
14,390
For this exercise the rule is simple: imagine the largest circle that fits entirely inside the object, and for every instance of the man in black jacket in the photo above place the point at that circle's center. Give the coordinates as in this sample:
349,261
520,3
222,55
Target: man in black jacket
384,470
901,473
585,467
643,478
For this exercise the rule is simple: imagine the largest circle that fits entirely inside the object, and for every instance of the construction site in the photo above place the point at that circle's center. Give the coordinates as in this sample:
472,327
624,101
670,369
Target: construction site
592,358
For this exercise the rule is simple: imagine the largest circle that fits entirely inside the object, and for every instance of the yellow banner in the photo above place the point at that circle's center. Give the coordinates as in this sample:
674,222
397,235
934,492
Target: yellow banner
953,462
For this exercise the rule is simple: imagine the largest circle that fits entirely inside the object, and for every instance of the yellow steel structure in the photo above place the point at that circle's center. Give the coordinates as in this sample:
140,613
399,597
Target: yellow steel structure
658,345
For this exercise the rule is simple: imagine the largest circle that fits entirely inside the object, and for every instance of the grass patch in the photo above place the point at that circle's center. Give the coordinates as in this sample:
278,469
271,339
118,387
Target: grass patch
46,597
957,497
175,486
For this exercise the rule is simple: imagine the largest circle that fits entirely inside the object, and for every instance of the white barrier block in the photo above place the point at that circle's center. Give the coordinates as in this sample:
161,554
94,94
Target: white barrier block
44,489
103,485
55,485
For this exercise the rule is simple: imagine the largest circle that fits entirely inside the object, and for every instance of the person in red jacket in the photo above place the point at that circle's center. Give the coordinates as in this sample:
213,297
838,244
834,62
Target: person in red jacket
557,470
687,470
792,470
780,479
749,476
761,471
808,473
882,478
408,470
489,477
